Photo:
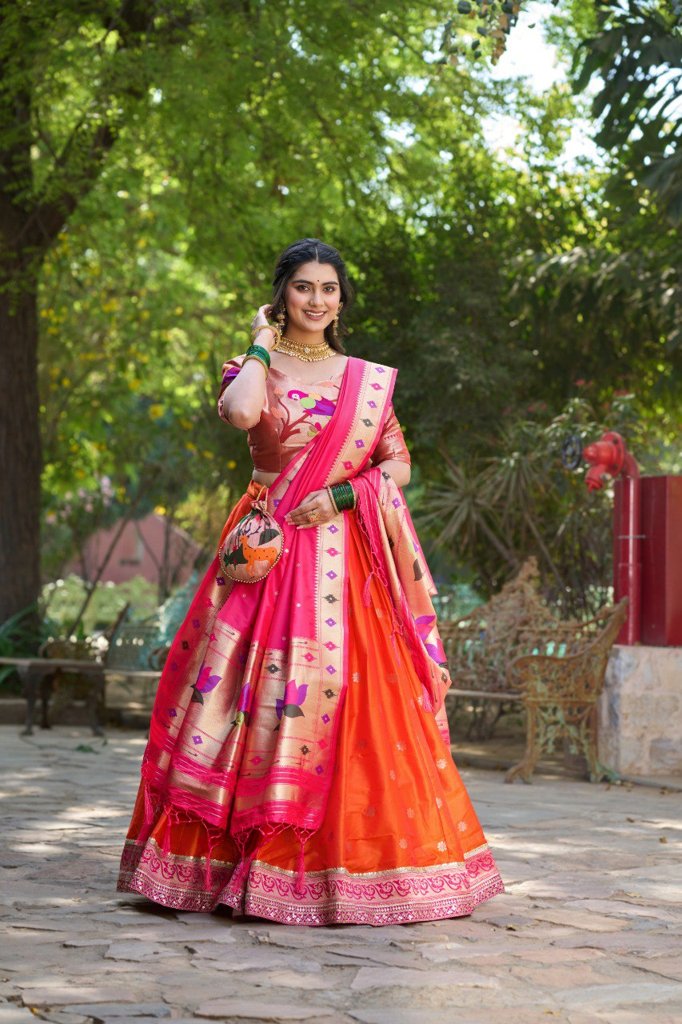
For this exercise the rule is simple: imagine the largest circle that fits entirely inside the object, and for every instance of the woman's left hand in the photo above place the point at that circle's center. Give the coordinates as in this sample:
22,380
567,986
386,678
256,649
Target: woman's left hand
316,508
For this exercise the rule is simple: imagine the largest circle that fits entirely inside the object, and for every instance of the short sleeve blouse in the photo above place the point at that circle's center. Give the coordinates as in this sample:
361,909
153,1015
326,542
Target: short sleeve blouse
293,412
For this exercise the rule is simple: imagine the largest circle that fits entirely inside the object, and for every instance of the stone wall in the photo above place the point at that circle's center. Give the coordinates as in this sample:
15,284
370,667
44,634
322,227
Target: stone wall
640,711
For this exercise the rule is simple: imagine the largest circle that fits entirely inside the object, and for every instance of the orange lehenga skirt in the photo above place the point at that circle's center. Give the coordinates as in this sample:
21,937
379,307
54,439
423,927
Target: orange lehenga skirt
400,840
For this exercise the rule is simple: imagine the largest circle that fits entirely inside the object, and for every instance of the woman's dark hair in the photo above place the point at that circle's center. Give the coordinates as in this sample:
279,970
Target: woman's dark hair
305,251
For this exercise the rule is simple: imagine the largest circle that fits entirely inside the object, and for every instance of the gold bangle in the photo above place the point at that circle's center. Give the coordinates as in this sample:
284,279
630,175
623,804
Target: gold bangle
331,498
265,327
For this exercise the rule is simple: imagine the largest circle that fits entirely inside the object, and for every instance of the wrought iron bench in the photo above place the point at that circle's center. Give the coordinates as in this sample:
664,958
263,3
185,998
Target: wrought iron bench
513,652
560,693
480,645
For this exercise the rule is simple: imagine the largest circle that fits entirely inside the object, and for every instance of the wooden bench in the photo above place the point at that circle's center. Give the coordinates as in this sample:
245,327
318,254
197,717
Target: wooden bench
513,652
78,670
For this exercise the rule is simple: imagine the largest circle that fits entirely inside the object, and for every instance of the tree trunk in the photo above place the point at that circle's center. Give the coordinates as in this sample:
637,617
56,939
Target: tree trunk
20,456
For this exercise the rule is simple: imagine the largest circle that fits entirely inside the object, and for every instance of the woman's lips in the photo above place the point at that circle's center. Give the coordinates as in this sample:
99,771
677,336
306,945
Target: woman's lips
313,316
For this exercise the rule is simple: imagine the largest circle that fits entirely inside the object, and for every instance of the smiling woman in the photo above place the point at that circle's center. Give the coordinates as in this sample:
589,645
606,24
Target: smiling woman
298,766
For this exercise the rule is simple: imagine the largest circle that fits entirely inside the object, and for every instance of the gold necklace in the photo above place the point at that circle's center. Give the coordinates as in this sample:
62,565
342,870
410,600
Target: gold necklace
306,353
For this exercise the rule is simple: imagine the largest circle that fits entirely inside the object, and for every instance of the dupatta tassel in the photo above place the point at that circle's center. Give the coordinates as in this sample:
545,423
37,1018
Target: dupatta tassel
241,872
212,839
299,884
394,642
366,598
149,813
167,835
148,804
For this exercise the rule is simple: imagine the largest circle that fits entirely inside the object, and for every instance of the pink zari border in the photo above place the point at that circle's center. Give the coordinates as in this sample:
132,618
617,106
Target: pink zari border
334,896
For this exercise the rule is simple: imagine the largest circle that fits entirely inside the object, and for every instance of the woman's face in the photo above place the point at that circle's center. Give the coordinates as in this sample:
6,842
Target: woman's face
312,296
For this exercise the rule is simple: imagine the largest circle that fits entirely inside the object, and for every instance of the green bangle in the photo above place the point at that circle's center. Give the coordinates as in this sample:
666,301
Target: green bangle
258,358
262,353
344,495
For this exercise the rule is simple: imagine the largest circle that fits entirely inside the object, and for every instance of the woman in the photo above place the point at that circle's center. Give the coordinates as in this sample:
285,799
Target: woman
298,766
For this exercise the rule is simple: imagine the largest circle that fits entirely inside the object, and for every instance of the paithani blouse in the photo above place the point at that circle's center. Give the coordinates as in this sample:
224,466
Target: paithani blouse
293,412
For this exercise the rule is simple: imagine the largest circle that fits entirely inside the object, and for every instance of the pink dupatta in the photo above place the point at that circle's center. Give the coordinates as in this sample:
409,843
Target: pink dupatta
244,727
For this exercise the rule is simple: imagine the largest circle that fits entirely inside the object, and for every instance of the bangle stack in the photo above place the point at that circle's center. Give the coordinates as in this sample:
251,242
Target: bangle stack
342,496
259,353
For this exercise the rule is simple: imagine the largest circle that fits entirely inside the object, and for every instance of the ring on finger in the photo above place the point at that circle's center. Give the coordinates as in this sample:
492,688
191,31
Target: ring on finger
313,515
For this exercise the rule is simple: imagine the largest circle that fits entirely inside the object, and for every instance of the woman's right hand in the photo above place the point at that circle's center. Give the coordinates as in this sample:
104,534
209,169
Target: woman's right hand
264,338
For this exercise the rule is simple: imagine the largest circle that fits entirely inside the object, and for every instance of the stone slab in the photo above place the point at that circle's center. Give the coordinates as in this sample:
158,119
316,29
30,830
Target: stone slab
112,1010
239,1009
396,978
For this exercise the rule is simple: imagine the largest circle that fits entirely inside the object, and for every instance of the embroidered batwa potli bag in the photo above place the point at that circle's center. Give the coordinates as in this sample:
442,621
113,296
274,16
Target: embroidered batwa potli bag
253,546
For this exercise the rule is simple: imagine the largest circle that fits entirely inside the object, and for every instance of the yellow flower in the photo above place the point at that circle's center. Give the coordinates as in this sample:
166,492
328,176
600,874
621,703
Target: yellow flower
156,411
231,464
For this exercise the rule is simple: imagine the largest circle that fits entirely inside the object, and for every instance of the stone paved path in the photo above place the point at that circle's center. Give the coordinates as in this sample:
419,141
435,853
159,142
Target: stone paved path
590,929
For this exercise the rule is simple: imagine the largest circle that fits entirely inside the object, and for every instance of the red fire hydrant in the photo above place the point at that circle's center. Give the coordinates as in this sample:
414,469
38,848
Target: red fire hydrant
609,459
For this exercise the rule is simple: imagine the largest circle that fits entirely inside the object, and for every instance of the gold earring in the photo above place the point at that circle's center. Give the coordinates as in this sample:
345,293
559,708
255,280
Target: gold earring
335,321
280,319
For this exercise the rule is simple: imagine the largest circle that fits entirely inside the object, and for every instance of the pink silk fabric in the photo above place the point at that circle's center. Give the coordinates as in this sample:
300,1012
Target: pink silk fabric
245,722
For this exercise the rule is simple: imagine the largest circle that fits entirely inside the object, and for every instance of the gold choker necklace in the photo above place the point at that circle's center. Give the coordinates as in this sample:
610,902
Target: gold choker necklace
306,353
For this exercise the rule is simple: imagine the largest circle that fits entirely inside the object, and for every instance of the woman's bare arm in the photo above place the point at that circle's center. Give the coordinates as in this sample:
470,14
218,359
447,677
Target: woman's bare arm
244,399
